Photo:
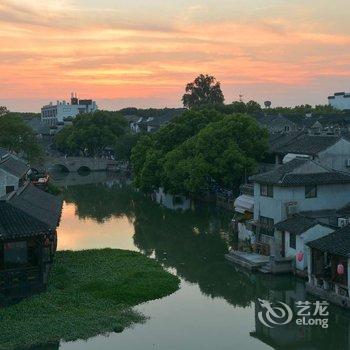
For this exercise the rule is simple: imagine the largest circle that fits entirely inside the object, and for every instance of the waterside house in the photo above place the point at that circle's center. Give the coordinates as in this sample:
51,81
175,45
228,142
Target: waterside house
28,221
13,173
299,186
329,267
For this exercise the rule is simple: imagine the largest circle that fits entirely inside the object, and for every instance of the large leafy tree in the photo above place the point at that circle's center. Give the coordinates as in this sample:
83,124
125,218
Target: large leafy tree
16,136
187,157
203,91
222,152
91,133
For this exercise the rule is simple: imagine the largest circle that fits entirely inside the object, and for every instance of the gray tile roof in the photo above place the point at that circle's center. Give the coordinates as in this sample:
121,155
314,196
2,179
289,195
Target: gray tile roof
14,166
16,223
296,224
323,213
344,210
39,204
131,118
274,121
337,243
3,152
278,141
308,144
284,175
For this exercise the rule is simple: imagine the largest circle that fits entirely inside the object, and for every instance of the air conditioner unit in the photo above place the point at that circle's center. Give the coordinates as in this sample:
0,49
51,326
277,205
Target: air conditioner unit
291,209
342,222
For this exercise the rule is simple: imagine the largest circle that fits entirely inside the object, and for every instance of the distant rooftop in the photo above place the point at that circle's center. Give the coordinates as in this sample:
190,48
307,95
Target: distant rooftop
294,174
14,166
301,143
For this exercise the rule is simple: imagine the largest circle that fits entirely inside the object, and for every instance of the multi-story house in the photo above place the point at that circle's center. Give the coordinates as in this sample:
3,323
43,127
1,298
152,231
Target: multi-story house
340,100
56,113
301,185
331,151
13,173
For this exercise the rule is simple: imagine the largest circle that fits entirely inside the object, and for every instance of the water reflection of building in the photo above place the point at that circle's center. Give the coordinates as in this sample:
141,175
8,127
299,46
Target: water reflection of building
171,201
283,336
293,336
28,221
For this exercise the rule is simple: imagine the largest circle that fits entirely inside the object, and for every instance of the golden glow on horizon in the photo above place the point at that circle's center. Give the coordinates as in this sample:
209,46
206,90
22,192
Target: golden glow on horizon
76,234
147,51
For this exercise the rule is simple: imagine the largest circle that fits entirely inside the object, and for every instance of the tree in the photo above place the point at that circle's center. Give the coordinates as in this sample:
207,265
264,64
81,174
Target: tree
124,145
201,146
90,134
3,111
223,151
238,107
203,91
16,136
253,107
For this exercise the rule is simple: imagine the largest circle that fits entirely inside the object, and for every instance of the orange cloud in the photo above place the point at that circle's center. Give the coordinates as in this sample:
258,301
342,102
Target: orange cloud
49,48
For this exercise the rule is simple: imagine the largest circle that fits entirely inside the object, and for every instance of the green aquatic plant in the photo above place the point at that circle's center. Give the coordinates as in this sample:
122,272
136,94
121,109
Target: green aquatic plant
90,292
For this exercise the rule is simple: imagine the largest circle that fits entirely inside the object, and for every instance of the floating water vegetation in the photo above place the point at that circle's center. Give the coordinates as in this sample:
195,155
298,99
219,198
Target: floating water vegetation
90,292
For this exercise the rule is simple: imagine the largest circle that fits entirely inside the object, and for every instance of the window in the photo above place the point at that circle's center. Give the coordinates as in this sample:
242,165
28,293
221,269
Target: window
15,254
311,191
266,190
292,240
10,189
267,225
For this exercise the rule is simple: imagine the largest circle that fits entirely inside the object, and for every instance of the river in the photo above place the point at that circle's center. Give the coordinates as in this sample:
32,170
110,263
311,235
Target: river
217,305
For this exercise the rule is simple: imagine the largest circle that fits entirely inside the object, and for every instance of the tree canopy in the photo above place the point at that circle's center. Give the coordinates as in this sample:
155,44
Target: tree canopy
3,111
198,149
90,134
203,91
16,136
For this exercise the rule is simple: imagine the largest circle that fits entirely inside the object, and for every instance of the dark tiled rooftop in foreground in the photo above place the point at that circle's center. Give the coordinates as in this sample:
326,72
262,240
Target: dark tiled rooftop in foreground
337,243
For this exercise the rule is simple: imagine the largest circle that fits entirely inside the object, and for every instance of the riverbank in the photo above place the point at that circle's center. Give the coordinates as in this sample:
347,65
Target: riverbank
90,292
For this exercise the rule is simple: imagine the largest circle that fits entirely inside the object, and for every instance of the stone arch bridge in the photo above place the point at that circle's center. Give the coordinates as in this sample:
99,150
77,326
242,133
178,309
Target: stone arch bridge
75,164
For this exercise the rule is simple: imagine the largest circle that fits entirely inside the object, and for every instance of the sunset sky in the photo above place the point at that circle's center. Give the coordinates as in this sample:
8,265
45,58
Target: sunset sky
142,52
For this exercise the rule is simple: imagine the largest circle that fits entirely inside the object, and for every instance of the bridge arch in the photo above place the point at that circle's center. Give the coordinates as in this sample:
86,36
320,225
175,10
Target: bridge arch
84,169
60,167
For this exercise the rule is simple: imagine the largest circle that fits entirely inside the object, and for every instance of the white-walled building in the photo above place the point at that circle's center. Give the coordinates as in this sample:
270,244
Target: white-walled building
294,233
13,173
299,186
56,113
340,100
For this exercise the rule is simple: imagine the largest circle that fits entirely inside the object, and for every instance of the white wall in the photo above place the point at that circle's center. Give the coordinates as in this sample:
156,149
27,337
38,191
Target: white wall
7,179
328,197
313,233
64,110
340,102
336,156
169,201
243,232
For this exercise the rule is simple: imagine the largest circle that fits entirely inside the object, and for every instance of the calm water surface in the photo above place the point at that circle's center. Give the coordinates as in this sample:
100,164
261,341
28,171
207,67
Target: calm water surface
216,306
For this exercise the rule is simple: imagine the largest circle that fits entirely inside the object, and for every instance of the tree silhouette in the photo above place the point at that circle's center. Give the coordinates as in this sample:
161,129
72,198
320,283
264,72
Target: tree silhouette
203,91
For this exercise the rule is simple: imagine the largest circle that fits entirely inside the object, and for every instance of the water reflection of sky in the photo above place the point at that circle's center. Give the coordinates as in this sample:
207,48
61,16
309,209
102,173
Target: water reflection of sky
76,233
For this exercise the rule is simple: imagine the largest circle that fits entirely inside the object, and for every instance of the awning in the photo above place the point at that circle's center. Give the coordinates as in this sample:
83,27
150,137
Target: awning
244,203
